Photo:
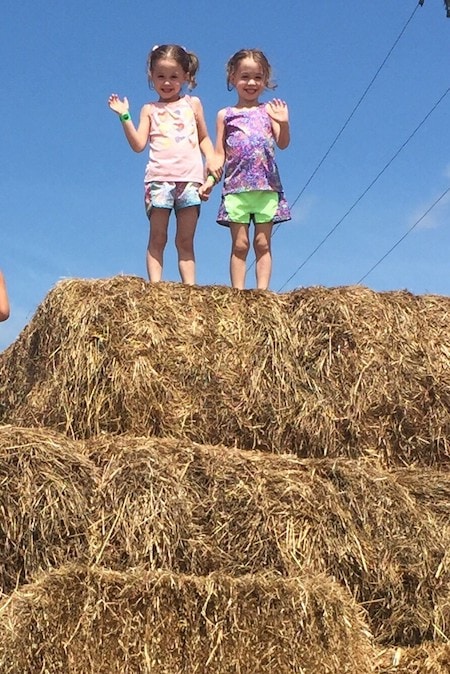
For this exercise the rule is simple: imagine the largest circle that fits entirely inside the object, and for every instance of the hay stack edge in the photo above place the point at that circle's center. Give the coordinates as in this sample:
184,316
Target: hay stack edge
198,479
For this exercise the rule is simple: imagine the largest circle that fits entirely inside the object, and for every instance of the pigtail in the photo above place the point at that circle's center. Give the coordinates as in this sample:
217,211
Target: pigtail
192,69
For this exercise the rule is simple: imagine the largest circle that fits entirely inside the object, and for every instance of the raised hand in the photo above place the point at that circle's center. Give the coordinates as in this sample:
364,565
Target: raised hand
118,105
278,110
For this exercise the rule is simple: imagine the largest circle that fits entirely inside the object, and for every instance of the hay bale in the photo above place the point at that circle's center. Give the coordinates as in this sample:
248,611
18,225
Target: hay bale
430,488
343,371
381,364
428,658
144,506
91,620
165,504
46,490
201,509
349,518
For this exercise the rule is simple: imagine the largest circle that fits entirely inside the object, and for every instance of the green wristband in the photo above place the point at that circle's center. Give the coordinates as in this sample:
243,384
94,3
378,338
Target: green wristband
125,117
212,178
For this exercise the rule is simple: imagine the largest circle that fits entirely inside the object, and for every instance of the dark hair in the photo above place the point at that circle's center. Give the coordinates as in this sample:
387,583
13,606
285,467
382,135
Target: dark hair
259,57
186,59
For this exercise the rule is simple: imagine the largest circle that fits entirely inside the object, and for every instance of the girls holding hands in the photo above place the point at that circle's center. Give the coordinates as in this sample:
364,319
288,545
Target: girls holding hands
174,127
246,137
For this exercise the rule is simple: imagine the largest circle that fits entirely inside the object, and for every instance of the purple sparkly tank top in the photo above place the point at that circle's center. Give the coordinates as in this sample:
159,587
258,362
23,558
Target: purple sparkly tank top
250,151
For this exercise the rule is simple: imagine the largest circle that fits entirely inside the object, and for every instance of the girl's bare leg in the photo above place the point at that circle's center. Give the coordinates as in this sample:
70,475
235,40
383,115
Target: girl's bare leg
263,254
159,221
184,241
240,246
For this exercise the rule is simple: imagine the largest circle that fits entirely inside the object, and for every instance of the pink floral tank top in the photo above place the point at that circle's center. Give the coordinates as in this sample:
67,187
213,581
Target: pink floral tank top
174,148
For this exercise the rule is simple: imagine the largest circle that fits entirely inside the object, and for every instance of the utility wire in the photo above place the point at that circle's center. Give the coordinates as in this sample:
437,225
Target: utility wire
404,236
349,118
377,177
364,94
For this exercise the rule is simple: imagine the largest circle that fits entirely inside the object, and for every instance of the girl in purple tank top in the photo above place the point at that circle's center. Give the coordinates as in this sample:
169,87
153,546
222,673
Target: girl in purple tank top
247,135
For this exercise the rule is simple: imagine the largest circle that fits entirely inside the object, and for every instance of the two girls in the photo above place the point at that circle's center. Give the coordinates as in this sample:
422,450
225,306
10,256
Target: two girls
247,133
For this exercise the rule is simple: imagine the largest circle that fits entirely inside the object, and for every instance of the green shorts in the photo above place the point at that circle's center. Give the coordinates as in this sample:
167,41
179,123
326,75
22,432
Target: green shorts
244,207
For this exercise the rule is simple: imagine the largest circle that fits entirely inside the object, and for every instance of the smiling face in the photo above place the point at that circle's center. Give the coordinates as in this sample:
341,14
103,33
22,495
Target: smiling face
168,77
249,81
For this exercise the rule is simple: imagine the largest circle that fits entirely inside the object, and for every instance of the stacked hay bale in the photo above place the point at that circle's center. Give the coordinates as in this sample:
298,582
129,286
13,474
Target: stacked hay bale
186,596
95,620
124,405
200,509
47,489
316,372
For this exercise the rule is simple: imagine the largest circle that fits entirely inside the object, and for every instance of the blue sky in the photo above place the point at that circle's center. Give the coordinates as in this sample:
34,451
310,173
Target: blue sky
71,188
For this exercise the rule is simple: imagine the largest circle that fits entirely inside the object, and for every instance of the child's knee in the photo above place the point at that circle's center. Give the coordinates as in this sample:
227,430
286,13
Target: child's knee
241,247
184,243
262,247
157,240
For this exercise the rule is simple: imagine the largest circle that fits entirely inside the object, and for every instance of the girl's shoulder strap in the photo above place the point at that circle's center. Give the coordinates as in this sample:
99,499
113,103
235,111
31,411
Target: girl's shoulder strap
193,101
226,112
149,107
194,104
189,100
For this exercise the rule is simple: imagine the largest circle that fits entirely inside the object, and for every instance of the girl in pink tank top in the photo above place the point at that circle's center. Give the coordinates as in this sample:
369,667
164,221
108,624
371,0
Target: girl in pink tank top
175,130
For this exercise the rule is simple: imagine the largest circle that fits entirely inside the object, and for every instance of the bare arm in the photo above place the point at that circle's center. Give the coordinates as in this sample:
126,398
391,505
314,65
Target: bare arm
220,137
219,160
279,115
4,302
205,142
137,138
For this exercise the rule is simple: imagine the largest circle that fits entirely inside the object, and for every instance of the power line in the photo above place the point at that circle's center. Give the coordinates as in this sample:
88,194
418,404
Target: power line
404,235
377,177
349,118
362,97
